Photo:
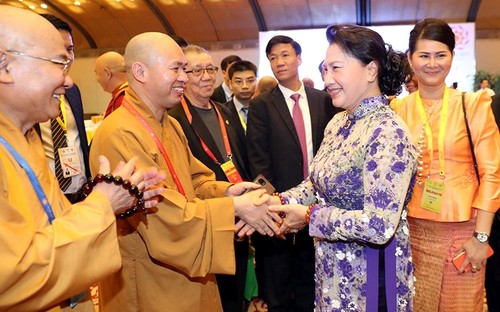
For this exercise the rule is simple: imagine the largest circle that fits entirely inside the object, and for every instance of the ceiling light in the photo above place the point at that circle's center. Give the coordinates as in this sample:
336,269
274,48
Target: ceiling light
77,3
43,6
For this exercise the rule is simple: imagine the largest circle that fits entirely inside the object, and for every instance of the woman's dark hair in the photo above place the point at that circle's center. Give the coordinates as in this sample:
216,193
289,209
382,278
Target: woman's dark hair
367,45
432,29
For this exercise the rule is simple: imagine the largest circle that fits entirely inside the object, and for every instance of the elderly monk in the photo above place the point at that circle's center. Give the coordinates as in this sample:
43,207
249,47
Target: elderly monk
50,250
170,257
111,74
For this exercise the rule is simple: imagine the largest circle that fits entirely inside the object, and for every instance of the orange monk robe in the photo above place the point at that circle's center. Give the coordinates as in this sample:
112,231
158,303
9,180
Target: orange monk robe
43,264
170,256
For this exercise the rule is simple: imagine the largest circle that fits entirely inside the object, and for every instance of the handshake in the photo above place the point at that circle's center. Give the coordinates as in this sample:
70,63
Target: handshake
251,203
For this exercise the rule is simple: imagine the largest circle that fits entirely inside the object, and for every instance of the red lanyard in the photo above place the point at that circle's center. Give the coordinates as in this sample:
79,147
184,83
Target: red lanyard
138,116
222,129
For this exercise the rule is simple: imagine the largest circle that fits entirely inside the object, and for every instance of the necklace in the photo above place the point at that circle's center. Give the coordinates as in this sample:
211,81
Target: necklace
422,142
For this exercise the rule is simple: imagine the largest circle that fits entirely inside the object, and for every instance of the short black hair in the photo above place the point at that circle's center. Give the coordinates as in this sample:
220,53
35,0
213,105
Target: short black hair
179,40
240,66
228,60
283,39
58,23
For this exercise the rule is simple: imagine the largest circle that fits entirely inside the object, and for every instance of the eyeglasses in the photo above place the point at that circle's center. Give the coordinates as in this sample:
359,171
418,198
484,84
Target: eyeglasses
199,71
64,63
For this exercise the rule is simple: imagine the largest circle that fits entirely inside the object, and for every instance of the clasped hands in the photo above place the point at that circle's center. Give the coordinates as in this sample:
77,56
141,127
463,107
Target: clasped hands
258,211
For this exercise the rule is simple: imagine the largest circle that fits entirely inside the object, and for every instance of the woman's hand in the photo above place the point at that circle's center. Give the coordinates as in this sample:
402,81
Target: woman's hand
295,217
145,180
475,254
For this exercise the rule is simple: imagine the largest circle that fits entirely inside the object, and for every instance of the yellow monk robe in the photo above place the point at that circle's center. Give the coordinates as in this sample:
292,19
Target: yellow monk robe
170,256
43,264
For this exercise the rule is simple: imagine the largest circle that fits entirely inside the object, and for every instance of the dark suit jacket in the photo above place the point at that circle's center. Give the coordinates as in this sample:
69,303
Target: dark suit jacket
272,142
75,102
199,127
219,95
234,118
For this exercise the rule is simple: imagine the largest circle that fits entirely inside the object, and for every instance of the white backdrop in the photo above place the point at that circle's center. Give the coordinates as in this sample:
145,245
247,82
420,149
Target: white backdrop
314,45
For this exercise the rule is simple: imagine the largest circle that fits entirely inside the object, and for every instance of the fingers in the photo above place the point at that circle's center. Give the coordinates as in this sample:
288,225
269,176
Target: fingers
262,199
104,166
238,226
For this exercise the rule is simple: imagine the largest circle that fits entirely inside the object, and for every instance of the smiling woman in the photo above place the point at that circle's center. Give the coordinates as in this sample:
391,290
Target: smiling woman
453,205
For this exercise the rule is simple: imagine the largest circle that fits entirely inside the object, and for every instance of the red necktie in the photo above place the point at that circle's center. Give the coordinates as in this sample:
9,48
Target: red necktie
298,121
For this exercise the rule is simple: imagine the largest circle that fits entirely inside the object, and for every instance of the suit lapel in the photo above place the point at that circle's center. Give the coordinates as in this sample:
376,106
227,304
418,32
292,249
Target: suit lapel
279,103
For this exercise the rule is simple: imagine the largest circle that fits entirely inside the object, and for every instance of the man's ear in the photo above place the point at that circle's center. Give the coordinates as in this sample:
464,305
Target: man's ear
139,71
5,76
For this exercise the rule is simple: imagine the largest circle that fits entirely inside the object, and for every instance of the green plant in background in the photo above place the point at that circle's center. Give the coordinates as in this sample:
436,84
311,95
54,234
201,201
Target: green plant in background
494,80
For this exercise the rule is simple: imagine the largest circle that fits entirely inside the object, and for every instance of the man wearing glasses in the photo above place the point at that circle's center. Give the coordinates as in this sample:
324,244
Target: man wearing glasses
213,140
50,249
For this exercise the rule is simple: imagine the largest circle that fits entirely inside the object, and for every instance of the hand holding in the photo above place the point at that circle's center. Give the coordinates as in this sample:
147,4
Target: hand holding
475,254
295,217
240,188
250,208
119,197
241,229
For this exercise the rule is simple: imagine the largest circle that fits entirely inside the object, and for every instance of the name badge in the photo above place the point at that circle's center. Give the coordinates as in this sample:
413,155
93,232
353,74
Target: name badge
70,161
231,173
432,196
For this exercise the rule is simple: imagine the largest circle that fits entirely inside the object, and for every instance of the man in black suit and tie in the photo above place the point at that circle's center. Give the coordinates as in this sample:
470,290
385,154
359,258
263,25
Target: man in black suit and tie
243,82
284,131
72,158
213,140
223,93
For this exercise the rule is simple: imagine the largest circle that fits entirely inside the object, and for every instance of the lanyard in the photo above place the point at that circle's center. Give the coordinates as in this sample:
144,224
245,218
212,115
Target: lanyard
222,129
62,122
442,126
138,116
34,181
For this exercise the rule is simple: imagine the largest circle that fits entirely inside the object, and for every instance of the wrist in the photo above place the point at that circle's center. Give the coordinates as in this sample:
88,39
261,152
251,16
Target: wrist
481,237
308,212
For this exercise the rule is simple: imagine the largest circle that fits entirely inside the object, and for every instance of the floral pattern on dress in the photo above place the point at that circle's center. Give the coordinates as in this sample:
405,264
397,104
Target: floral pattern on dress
362,178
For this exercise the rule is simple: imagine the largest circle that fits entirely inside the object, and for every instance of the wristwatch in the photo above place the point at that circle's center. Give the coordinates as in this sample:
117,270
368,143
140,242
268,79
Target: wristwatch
482,237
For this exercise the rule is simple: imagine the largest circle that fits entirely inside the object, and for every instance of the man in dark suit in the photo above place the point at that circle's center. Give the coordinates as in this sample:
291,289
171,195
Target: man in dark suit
243,82
223,93
73,119
285,268
213,140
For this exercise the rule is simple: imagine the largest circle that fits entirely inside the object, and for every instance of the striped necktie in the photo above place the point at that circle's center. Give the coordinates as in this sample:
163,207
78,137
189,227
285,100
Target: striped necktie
59,140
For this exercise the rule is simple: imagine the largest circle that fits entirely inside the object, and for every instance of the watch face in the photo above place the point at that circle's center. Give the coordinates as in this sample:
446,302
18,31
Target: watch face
482,237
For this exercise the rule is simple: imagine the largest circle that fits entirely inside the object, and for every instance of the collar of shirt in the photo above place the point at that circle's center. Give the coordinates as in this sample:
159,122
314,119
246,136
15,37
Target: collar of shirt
237,104
287,93
227,91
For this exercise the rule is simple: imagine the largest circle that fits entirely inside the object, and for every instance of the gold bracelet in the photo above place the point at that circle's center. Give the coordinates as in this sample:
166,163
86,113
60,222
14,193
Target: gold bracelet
308,212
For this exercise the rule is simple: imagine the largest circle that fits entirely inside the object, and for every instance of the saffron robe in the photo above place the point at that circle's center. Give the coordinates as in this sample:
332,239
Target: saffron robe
44,264
169,256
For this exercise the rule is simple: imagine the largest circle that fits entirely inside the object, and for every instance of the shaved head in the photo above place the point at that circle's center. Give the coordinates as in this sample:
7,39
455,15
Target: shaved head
111,59
17,29
30,83
110,71
156,70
